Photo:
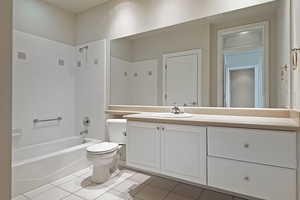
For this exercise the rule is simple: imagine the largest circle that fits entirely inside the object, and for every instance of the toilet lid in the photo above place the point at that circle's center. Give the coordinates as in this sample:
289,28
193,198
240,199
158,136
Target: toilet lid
102,148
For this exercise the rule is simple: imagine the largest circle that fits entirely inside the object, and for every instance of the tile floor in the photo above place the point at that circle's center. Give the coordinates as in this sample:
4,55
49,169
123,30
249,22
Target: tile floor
127,184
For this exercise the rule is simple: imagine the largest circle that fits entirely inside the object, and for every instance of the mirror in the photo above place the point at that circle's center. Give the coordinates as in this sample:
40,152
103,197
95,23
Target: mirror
234,59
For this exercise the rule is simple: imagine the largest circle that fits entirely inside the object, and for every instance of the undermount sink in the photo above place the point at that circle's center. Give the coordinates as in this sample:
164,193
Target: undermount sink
172,115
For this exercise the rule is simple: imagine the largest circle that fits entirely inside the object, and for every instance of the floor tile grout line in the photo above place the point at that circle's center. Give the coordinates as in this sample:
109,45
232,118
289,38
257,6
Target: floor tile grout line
26,197
53,186
200,195
109,187
74,192
24,194
166,195
123,180
66,196
58,186
172,190
68,191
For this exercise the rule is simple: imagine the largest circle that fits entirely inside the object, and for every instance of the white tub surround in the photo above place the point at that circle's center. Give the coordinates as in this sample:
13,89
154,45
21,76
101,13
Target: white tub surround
41,164
47,84
43,88
90,88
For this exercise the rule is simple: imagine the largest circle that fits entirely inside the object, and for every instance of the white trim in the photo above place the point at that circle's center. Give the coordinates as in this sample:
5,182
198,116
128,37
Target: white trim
107,73
220,62
197,52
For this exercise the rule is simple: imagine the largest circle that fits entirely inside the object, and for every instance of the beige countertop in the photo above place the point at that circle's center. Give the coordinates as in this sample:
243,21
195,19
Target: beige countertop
270,123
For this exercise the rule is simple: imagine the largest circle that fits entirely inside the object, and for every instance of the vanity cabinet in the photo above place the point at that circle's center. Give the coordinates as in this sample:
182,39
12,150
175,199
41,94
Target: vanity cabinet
143,146
276,148
173,150
258,163
183,152
256,180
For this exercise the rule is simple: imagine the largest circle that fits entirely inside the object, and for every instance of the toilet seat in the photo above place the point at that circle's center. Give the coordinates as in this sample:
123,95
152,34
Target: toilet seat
102,148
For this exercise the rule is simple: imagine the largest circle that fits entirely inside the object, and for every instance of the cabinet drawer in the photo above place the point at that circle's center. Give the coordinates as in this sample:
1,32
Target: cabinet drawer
260,181
276,148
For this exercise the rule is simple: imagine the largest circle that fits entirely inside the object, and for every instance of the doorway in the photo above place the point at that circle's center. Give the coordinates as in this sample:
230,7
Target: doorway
243,66
243,79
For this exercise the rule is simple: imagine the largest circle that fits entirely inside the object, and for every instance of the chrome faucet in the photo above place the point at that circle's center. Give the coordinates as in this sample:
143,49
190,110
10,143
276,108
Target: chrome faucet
175,109
84,133
86,123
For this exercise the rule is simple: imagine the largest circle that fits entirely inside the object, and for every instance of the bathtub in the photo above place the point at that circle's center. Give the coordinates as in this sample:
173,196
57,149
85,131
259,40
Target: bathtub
40,164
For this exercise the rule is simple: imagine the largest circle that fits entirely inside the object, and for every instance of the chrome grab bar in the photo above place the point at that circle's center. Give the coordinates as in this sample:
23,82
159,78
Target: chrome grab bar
46,120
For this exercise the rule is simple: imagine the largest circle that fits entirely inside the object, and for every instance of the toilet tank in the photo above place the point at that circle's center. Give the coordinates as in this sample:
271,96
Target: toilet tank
117,130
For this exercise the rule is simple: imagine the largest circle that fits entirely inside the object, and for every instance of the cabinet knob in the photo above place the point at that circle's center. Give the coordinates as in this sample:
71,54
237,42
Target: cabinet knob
247,178
246,146
163,128
157,128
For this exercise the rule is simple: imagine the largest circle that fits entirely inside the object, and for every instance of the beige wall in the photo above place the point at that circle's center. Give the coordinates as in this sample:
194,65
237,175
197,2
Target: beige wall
182,37
5,97
122,49
119,18
39,18
154,44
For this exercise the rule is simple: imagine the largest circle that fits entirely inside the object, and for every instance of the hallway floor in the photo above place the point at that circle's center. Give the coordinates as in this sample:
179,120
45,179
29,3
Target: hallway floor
128,185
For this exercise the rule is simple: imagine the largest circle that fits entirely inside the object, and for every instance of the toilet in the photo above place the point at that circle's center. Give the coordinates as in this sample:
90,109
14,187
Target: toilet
104,156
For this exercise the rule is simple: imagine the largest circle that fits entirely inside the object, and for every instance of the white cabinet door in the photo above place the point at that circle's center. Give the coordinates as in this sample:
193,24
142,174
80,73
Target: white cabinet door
184,152
143,146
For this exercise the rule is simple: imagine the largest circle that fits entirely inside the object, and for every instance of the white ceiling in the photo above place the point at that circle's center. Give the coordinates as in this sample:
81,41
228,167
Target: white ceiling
75,6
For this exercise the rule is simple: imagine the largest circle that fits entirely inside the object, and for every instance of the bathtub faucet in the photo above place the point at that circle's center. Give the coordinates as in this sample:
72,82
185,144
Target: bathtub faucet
84,133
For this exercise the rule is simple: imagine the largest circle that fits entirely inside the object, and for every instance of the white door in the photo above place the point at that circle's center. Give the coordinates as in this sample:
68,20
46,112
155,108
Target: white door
181,78
184,152
143,146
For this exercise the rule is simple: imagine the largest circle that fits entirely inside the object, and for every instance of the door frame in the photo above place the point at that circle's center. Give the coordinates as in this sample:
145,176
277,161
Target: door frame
220,59
257,83
198,53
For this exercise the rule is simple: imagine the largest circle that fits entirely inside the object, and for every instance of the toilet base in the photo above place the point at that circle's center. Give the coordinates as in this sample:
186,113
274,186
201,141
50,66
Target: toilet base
104,167
100,174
